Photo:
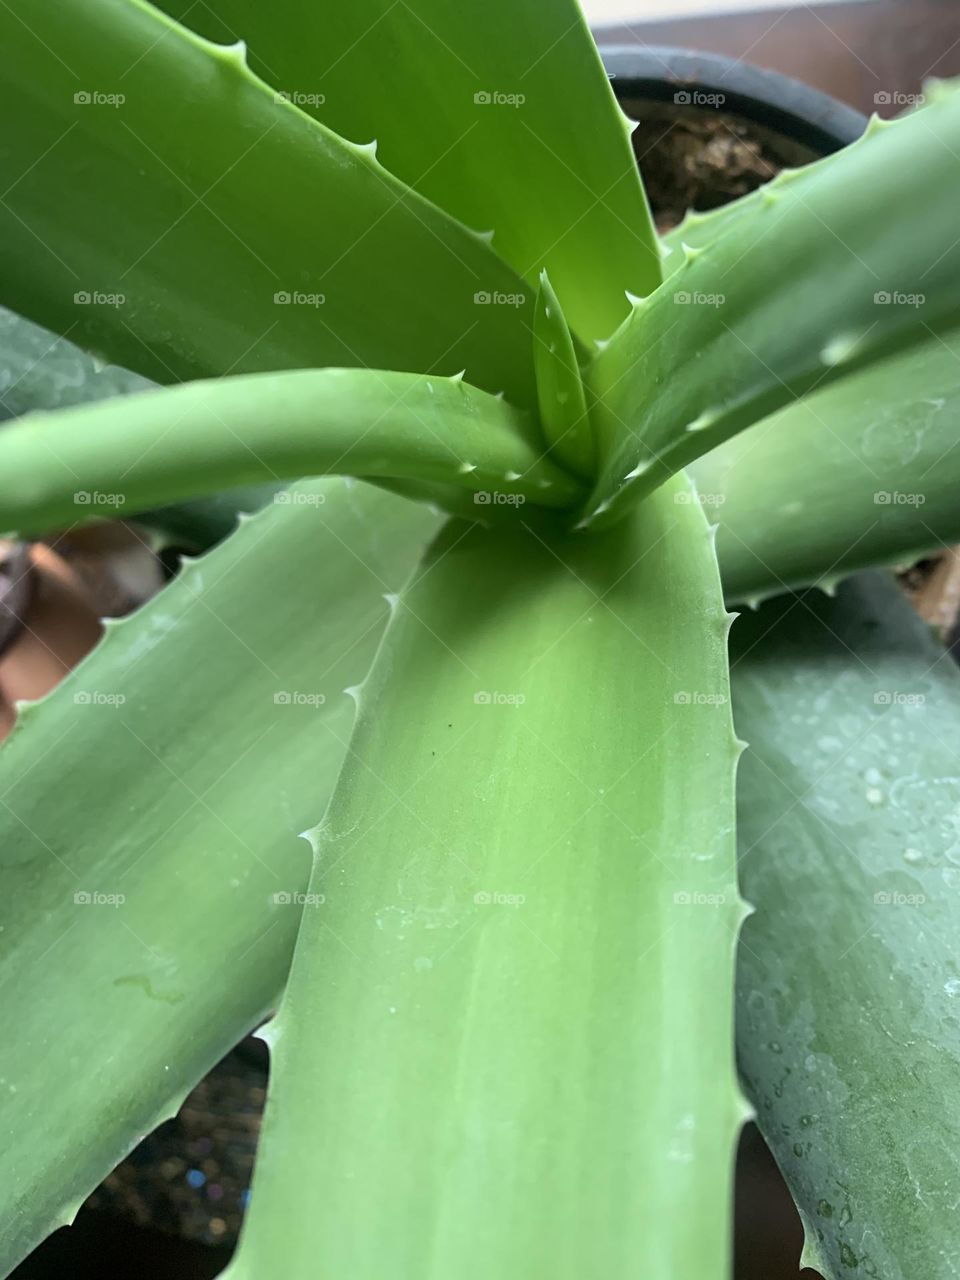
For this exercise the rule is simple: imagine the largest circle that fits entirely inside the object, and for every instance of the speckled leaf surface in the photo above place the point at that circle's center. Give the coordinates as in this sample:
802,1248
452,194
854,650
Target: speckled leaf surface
849,977
150,807
864,472
39,370
504,1050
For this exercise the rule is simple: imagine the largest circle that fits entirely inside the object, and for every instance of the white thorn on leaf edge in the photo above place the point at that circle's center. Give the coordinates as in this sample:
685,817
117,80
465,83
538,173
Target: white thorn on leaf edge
269,1033
314,837
707,419
235,53
840,349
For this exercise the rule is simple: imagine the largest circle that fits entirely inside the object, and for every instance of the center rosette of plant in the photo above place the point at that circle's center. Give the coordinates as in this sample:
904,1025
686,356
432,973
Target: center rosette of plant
504,1049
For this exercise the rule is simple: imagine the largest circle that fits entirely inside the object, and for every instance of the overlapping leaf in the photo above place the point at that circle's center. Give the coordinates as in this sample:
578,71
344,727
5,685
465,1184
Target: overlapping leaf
165,209
501,113
149,811
504,1049
815,279
40,371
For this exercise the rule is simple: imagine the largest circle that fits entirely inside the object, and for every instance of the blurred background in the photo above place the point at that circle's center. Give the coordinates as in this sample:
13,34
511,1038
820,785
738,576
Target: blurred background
855,50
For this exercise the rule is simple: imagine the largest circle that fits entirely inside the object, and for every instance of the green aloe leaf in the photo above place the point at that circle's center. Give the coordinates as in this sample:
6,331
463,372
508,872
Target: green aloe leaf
564,419
848,980
215,229
864,472
130,454
501,113
504,1048
816,280
151,872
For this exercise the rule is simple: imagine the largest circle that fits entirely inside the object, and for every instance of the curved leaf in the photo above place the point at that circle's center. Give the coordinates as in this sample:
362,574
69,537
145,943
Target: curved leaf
504,1048
40,371
215,229
130,454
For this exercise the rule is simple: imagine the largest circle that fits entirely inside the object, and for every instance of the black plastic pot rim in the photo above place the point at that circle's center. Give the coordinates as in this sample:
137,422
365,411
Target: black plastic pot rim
713,81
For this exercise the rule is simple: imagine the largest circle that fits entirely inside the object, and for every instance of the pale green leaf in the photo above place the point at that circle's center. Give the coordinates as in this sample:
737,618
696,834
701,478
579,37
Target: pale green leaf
165,209
504,1051
864,472
849,978
165,782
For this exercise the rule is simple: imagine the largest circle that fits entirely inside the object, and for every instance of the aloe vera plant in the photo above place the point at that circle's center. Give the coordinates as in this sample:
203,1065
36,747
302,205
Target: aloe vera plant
473,646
